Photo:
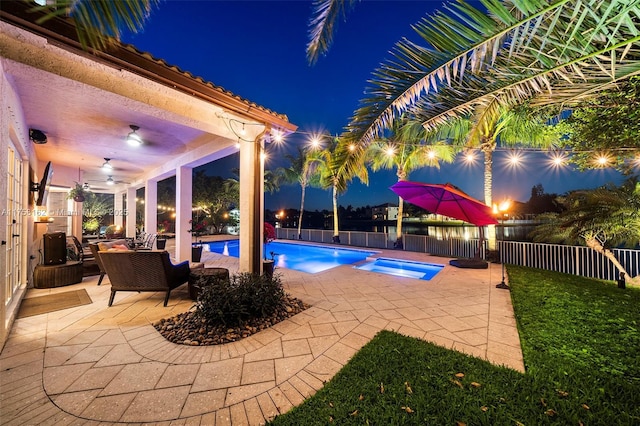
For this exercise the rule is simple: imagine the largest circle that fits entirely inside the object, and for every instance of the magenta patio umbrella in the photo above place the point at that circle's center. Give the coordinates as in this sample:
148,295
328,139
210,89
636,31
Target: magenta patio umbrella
447,200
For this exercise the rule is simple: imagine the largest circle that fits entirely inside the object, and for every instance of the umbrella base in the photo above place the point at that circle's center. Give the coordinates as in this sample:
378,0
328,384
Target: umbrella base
469,263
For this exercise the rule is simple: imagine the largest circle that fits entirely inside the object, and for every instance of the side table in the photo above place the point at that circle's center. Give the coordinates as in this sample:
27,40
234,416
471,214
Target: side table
201,277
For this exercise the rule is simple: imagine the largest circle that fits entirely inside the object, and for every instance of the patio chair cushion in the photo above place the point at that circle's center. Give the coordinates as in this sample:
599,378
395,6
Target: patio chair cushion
143,271
104,246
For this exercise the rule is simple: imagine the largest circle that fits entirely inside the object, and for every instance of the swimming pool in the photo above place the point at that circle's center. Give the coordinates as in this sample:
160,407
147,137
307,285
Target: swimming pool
402,268
301,257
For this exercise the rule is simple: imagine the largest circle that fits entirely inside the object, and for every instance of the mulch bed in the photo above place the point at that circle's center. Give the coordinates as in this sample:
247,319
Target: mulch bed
189,329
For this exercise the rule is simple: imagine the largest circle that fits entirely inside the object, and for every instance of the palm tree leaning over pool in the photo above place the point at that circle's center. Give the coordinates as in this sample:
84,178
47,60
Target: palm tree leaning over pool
302,170
337,164
406,149
601,218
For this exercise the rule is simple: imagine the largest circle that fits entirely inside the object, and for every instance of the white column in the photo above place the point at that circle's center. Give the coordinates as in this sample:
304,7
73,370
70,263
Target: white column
184,182
151,207
118,207
131,212
251,204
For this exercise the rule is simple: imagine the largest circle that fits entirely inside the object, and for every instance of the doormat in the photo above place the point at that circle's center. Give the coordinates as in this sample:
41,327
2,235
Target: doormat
53,302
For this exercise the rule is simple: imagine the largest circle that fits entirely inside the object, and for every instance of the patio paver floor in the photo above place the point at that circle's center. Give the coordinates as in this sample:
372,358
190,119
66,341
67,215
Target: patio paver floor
97,365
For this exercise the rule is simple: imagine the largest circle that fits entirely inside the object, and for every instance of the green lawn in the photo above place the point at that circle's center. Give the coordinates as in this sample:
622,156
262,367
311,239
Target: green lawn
581,347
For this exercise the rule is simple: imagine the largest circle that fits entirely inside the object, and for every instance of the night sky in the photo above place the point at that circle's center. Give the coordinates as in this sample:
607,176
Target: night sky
256,49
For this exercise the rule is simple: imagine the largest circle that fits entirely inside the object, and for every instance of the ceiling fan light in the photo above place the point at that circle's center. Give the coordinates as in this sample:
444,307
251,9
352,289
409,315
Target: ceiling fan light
107,165
110,180
133,138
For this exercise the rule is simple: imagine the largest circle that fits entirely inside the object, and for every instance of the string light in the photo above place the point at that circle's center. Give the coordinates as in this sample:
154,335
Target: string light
602,160
315,142
514,159
558,159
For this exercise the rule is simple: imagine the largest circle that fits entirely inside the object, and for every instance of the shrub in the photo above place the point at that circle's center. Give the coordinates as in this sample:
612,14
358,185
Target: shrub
244,296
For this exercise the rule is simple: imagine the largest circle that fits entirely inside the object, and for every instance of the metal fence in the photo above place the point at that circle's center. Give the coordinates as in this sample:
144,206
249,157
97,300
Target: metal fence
576,260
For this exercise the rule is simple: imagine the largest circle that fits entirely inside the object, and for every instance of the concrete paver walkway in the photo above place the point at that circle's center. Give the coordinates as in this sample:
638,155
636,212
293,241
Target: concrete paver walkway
97,365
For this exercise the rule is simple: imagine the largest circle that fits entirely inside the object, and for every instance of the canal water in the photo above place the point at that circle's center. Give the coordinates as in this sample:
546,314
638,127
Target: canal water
512,231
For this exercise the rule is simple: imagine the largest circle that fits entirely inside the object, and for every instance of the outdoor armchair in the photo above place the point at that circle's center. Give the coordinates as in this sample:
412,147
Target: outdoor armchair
143,271
96,247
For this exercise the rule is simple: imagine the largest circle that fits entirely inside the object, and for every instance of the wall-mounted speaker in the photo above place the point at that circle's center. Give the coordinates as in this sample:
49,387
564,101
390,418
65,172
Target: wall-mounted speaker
37,136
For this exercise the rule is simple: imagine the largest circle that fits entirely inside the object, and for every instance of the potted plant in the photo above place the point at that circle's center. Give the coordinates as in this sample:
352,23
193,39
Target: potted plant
161,241
269,234
196,247
78,193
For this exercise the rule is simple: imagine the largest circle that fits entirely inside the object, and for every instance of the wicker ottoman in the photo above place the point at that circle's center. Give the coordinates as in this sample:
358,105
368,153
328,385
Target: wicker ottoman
202,277
48,276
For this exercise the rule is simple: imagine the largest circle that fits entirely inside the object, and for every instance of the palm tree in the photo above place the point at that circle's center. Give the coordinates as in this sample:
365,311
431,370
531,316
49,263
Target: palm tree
302,170
600,218
100,22
555,53
337,164
511,126
518,125
406,150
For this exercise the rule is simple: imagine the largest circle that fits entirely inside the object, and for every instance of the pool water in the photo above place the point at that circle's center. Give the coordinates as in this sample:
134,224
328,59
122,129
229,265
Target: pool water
402,268
301,257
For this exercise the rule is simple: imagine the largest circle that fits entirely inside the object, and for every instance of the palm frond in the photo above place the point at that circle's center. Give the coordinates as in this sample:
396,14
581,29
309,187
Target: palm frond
563,50
98,22
322,25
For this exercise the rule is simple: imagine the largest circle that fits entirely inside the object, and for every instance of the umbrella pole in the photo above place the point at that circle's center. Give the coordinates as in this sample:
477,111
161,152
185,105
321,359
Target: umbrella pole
480,241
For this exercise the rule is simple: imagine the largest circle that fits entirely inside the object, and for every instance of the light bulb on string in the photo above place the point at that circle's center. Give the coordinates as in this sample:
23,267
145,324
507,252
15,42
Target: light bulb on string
602,160
514,159
558,159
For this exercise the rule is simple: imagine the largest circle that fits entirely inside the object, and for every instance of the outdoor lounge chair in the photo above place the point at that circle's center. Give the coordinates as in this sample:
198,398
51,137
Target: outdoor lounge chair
95,248
143,271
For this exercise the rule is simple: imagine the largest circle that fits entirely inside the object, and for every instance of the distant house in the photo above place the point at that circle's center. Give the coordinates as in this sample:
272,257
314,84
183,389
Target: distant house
385,211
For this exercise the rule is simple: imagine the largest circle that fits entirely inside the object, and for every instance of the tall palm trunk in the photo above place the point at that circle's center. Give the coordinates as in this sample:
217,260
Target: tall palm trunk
336,230
399,218
304,190
487,149
402,175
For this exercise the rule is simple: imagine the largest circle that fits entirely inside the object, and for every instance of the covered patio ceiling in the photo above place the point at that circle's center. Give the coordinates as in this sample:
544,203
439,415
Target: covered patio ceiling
84,125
